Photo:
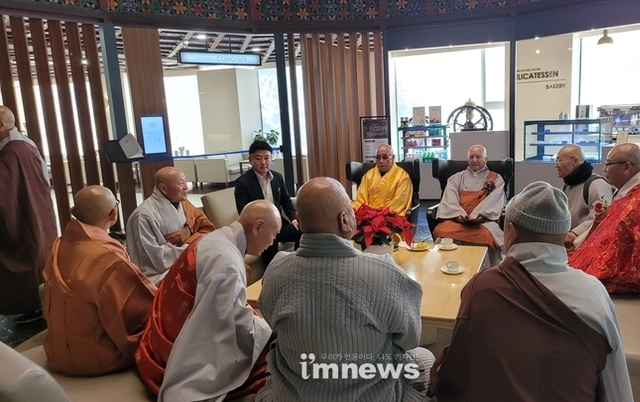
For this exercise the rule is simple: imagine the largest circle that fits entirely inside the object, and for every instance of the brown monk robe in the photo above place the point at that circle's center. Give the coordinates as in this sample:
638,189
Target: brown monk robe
197,225
514,340
27,226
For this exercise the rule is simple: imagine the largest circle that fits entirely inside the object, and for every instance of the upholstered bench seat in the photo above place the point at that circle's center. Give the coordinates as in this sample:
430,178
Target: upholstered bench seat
26,378
628,309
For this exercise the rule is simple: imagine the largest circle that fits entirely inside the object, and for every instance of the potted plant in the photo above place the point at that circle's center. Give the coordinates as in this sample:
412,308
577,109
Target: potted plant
272,137
376,227
181,150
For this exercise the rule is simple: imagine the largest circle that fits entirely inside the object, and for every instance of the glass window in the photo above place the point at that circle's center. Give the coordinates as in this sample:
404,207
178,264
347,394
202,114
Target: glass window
609,74
270,106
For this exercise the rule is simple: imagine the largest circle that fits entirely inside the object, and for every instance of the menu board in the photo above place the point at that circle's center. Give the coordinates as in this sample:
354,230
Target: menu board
375,132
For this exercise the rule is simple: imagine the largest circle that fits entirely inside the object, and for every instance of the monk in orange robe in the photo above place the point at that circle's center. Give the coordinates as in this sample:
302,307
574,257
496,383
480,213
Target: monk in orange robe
471,205
96,301
611,250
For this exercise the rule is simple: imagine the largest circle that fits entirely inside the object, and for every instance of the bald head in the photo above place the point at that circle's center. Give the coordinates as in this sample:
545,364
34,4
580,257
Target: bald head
167,174
172,183
630,152
7,121
572,151
384,149
384,158
261,222
94,205
477,157
623,162
324,207
568,160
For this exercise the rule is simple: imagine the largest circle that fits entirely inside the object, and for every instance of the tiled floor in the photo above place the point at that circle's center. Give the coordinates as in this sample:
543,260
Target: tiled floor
13,334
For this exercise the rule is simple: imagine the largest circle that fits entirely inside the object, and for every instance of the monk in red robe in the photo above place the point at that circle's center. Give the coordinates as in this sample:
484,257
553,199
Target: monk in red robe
27,220
611,250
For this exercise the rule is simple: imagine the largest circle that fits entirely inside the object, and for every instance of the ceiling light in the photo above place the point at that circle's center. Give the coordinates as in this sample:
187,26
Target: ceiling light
256,49
84,61
605,40
201,36
536,38
185,43
537,51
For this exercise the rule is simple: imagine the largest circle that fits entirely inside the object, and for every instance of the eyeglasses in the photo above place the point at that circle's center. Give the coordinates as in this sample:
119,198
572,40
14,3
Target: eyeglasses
607,164
559,161
383,157
116,206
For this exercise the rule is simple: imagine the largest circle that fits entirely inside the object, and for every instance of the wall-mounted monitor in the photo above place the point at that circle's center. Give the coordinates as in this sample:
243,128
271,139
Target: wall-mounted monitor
154,139
217,58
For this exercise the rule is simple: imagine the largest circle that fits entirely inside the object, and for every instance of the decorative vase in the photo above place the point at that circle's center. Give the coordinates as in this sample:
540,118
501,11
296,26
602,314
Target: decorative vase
379,249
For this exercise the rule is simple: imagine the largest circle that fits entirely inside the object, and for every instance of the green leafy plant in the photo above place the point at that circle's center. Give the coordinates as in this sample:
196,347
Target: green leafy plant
271,137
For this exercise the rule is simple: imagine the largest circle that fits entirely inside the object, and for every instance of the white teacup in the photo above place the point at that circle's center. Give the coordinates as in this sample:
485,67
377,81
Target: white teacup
446,242
452,265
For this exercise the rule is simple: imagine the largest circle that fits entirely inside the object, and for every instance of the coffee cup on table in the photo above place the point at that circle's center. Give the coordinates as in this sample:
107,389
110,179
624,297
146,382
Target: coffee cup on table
452,265
446,242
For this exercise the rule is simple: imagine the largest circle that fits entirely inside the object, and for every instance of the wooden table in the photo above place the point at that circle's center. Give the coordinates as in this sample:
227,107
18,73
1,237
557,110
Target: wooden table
440,292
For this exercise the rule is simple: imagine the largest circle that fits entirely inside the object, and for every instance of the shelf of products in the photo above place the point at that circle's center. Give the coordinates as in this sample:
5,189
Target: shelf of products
544,138
624,117
424,142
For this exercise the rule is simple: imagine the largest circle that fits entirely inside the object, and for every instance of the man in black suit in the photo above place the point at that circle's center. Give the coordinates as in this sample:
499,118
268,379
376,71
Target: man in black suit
261,183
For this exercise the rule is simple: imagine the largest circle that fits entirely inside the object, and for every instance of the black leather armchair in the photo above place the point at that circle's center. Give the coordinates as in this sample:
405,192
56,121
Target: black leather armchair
442,169
356,170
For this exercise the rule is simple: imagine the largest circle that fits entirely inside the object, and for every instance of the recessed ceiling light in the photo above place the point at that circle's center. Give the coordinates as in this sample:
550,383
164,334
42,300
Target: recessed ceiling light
536,38
537,51
256,49
201,36
185,43
84,61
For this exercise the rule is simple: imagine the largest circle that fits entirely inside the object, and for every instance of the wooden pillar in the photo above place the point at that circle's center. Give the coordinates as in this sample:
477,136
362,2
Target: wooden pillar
144,66
21,50
6,77
45,84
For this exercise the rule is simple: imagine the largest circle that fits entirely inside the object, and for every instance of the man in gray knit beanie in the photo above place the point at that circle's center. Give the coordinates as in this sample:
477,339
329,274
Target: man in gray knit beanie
540,208
529,309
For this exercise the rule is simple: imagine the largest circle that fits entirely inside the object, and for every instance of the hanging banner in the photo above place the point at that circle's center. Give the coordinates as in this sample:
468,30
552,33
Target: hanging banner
375,132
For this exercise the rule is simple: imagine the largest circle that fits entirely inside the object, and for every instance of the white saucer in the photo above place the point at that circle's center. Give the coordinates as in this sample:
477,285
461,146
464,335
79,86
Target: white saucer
440,247
459,271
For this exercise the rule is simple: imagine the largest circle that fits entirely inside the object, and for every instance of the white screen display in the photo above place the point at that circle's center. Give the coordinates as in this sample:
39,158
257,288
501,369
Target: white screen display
153,136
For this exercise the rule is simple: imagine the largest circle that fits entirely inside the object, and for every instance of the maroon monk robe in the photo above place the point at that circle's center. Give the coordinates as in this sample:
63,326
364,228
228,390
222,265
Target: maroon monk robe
27,227
514,340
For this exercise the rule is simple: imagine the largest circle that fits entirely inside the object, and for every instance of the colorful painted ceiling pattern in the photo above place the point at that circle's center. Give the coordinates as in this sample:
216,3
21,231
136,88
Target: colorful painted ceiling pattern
316,10
410,8
291,10
78,3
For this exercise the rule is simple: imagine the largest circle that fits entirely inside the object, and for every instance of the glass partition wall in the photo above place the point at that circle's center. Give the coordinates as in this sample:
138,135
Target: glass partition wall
448,77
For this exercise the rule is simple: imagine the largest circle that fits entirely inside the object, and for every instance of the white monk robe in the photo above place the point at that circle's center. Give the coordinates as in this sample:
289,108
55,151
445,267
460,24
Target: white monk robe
146,228
222,338
491,207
